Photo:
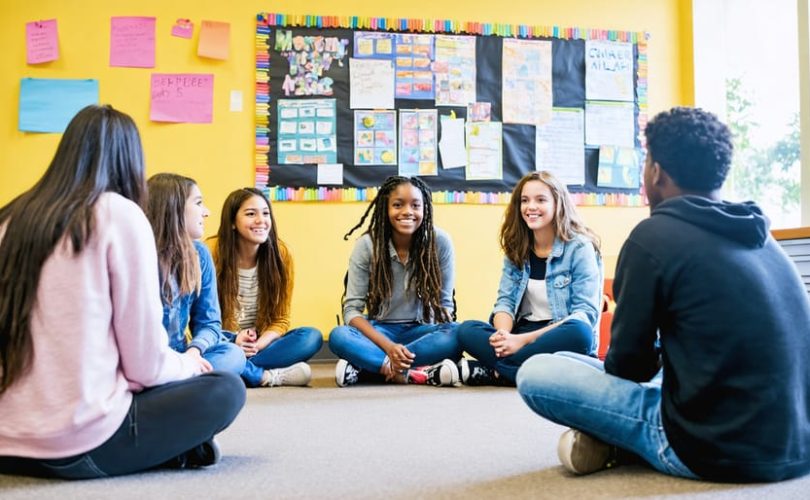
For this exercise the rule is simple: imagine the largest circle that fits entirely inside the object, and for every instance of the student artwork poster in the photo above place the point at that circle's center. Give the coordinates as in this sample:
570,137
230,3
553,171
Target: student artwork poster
526,81
306,131
414,57
484,150
418,142
375,137
454,70
310,59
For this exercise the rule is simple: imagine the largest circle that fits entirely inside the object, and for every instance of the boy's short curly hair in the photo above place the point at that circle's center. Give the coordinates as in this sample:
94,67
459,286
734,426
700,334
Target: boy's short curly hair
692,146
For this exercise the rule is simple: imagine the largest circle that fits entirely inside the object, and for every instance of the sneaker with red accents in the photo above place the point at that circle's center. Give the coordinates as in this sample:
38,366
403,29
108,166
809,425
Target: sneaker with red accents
444,373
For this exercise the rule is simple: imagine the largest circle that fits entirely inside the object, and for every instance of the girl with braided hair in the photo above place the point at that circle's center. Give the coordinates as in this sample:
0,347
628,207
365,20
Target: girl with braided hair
401,274
550,289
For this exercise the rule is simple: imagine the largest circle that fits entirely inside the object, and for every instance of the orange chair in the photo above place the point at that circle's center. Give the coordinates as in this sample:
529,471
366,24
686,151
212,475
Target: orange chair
608,305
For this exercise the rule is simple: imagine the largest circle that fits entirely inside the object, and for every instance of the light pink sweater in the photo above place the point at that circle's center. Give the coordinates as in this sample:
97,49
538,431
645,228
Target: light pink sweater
98,335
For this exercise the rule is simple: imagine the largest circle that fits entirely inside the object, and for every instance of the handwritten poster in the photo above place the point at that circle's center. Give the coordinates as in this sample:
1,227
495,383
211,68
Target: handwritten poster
132,42
41,41
618,167
608,70
371,84
310,59
609,123
484,151
560,145
454,70
182,98
48,105
306,131
375,137
418,142
215,40
526,81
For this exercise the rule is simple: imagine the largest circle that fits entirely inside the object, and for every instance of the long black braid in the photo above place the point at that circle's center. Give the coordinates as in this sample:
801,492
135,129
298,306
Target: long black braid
425,276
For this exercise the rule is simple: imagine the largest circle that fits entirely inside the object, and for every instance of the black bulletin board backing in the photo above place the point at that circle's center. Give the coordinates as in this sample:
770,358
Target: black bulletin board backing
568,90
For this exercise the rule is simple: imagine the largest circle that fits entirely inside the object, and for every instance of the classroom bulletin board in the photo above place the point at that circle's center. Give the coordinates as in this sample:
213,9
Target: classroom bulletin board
344,102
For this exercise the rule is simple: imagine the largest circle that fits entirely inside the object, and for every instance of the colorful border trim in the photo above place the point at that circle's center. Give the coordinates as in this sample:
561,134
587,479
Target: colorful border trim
265,20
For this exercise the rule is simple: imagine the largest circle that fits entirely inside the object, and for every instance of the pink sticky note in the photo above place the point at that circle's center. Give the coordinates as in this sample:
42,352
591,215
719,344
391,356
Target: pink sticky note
132,42
182,97
214,40
183,28
42,41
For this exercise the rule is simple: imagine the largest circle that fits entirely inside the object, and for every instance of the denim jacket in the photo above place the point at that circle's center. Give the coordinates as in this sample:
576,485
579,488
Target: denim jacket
201,309
573,281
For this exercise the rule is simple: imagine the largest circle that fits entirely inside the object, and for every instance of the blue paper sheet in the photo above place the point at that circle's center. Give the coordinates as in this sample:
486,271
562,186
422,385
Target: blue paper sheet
48,105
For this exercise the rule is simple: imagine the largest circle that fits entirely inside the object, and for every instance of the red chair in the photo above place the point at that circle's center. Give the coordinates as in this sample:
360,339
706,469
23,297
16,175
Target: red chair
608,305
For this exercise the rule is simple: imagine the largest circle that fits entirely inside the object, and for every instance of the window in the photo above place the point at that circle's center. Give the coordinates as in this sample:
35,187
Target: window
747,71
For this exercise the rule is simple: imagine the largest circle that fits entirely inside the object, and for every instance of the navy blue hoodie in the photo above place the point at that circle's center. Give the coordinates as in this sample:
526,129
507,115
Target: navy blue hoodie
734,324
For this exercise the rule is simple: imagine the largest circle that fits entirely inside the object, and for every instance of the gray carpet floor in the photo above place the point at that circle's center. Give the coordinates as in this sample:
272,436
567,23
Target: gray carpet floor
390,442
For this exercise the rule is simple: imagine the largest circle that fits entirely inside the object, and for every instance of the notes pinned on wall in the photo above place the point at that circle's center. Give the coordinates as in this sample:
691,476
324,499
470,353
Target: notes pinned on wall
132,42
41,41
182,98
215,39
330,173
48,105
183,28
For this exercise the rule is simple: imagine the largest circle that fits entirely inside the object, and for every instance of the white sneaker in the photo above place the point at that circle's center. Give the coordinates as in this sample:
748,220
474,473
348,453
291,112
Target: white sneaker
581,454
298,374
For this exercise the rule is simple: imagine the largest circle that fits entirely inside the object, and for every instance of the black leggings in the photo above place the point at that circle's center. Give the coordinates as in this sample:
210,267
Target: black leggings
163,423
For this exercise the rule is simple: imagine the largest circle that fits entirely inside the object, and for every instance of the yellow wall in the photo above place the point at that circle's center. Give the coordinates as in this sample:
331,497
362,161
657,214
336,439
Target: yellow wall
220,155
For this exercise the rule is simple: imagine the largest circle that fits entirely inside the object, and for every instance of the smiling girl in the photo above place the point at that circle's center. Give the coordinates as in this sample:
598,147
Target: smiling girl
187,278
255,278
550,289
401,273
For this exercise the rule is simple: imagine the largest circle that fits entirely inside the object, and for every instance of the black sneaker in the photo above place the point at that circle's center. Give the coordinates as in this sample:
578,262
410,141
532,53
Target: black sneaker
476,373
202,455
444,373
345,373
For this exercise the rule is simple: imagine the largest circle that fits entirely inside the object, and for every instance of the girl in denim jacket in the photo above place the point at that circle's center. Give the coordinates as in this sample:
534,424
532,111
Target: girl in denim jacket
550,289
188,286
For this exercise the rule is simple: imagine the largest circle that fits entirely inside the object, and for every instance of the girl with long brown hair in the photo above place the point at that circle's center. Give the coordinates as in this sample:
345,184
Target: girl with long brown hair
188,283
550,289
255,281
401,274
88,383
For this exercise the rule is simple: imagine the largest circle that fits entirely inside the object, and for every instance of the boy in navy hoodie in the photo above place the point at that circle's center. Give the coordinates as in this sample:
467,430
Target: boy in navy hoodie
708,372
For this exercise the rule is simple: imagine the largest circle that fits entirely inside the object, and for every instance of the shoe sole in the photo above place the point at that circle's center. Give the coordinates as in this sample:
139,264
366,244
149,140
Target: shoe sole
340,372
448,374
465,371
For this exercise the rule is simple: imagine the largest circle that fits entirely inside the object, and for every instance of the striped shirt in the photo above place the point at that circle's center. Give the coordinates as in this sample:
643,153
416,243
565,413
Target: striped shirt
248,297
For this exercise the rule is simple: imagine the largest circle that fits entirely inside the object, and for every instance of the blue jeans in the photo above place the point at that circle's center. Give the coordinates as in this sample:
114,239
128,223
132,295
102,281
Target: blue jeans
226,357
294,346
163,422
574,390
430,343
572,335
